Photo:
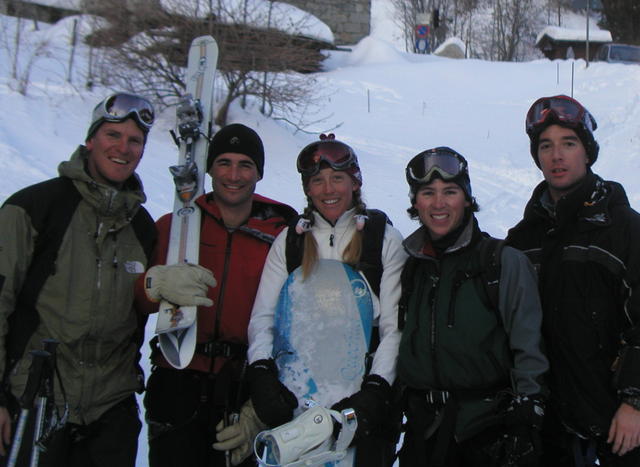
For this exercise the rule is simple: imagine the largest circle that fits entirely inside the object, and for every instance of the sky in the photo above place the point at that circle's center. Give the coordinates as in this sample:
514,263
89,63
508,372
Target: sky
387,104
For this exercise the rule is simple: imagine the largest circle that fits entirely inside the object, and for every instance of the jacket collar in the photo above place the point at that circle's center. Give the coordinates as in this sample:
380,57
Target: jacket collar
343,221
116,205
591,203
415,243
262,208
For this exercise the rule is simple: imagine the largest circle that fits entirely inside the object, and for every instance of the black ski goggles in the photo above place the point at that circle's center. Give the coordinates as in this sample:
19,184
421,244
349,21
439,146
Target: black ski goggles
337,155
118,107
442,160
562,109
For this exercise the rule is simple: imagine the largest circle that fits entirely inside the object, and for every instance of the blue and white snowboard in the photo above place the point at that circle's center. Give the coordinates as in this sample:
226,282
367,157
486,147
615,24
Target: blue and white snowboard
322,331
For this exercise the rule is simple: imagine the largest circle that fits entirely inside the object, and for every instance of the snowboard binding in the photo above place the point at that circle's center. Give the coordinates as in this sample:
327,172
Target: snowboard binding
308,440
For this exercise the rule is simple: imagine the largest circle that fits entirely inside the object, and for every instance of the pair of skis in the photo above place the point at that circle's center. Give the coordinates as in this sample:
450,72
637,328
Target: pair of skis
177,327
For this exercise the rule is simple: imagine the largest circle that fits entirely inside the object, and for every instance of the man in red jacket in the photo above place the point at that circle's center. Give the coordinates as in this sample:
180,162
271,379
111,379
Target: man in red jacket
183,407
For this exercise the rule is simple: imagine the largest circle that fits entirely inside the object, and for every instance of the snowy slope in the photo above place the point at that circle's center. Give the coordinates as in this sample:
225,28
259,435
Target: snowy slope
389,105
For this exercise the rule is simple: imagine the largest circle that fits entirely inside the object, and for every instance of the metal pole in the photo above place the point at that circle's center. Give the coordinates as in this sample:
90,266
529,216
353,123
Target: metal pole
587,47
572,74
39,362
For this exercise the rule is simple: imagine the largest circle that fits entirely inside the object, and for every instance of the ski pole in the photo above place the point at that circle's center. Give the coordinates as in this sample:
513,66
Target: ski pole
38,362
45,395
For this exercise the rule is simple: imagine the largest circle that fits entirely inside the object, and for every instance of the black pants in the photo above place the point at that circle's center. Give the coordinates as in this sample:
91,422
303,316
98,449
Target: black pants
183,408
112,440
560,448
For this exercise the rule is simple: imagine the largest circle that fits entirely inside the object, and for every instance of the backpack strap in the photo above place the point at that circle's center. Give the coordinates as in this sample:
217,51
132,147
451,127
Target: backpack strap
372,241
294,246
489,252
145,230
406,282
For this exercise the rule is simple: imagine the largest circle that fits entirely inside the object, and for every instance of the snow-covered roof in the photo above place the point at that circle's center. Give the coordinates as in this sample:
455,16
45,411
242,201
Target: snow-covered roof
449,44
284,17
563,34
66,4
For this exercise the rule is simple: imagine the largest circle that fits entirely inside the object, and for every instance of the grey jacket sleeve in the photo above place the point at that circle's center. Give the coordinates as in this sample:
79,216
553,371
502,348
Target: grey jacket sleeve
521,313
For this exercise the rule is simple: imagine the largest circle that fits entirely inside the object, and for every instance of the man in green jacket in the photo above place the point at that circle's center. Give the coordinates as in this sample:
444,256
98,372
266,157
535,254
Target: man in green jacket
70,250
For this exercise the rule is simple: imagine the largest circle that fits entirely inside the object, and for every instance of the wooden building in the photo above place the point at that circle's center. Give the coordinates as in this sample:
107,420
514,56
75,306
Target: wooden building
562,43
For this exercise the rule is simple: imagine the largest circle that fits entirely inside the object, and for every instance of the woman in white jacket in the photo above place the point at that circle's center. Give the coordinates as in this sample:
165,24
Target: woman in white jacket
332,228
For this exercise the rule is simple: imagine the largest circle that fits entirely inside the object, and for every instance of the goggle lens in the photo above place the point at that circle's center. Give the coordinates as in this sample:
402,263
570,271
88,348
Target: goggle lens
563,109
120,106
337,155
423,167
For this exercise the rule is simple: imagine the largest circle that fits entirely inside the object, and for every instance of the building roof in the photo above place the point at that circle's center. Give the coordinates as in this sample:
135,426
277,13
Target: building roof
558,34
283,17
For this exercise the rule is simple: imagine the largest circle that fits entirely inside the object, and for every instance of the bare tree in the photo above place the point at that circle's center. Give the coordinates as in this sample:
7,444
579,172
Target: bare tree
23,50
258,63
510,35
514,23
555,8
405,18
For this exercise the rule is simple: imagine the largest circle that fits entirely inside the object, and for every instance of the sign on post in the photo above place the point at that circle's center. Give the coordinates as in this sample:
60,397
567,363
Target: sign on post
422,38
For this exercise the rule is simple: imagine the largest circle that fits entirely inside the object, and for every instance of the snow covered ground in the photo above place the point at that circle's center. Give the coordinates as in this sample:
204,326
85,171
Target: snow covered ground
387,104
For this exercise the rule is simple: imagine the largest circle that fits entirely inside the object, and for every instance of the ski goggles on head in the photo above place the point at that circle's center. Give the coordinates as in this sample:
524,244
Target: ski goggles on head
441,160
561,108
337,155
118,107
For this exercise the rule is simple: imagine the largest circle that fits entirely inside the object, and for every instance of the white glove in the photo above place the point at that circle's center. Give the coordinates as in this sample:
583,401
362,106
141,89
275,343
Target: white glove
180,284
238,438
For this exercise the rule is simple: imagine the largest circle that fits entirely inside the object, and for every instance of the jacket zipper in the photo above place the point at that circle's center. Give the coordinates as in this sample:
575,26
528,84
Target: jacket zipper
223,283
96,238
433,335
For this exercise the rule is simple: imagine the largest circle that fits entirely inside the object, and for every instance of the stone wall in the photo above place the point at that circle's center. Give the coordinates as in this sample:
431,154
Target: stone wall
348,19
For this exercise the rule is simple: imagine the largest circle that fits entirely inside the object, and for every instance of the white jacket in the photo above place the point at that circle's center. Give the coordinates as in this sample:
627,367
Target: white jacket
275,274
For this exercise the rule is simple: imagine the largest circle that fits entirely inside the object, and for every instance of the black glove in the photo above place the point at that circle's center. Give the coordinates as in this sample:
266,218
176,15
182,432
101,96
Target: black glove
523,420
524,412
371,404
272,401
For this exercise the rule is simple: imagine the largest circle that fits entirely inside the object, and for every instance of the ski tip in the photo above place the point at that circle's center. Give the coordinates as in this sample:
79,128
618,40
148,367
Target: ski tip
178,347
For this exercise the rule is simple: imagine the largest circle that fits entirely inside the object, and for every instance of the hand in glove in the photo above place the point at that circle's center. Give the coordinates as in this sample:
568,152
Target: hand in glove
523,420
371,404
182,284
238,438
272,401
524,411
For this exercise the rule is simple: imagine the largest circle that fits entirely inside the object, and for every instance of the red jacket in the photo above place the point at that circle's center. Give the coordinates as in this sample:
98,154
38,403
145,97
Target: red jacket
236,260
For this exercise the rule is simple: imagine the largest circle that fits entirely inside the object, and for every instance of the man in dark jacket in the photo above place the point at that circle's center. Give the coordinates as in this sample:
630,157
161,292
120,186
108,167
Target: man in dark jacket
581,234
184,407
71,249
